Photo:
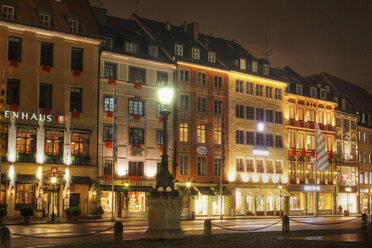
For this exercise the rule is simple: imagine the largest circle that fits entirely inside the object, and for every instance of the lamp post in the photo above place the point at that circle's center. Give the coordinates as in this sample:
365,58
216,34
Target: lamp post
188,185
280,190
54,179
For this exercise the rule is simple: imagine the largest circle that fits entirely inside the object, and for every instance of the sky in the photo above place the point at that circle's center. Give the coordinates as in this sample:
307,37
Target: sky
310,36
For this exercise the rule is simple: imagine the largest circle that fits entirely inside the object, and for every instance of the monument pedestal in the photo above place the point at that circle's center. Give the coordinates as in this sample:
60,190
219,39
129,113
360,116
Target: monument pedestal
164,216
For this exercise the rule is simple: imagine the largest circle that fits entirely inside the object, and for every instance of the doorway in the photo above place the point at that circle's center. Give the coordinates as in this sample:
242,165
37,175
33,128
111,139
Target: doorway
49,204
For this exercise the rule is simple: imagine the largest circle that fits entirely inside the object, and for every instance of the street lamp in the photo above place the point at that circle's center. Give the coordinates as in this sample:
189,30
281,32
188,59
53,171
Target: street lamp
188,185
54,180
280,190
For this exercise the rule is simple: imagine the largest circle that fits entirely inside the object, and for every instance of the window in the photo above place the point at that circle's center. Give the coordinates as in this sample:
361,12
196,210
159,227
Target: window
79,145
217,167
278,94
217,107
313,92
45,95
184,165
110,70
217,135
269,166
363,117
108,104
291,137
320,117
202,104
136,135
269,116
269,92
159,137
131,47
249,88
211,57
107,133
353,125
184,75
365,157
184,102
250,166
54,143
8,12
239,165
278,167
25,193
46,54
107,167
266,70
109,43
26,141
299,89
269,140
361,177
311,115
195,53
202,166
338,122
239,86
136,107
291,112
278,141
259,114
300,141
137,75
239,137
159,108
329,118
259,90
202,78
15,49
254,66
184,132
178,50
260,166
12,92
76,95
135,169
44,20
346,125
3,193
243,64
249,112
249,138
73,25
260,139
218,81
153,51
77,59
343,104
201,133
162,78
300,114
239,111
323,94
278,117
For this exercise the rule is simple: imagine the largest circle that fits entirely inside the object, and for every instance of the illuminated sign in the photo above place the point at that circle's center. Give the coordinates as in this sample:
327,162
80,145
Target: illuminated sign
363,190
28,116
260,152
61,119
348,189
311,188
201,150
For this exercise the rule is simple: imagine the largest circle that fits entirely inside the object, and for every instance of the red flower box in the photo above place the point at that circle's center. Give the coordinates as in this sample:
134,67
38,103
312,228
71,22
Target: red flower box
161,120
13,64
45,111
112,81
136,144
110,114
312,125
161,148
137,117
76,115
321,126
76,73
292,122
313,153
108,143
303,153
302,123
109,178
13,107
45,68
138,86
134,178
330,127
330,155
294,152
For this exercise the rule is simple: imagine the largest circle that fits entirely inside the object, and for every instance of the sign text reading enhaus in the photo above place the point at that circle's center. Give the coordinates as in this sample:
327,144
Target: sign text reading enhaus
28,116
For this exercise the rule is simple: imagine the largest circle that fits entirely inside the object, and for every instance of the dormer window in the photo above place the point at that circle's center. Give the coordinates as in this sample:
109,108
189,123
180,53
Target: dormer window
327,89
131,47
363,118
343,104
8,12
44,19
73,24
153,51
266,70
323,94
313,92
178,50
211,57
243,64
109,43
299,89
254,66
195,53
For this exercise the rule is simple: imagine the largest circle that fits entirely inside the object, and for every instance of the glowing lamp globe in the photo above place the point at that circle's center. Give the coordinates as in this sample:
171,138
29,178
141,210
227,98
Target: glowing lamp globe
165,94
54,179
188,184
260,127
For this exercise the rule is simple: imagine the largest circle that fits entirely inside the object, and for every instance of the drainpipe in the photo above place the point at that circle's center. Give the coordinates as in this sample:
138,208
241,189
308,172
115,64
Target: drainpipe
100,49
175,126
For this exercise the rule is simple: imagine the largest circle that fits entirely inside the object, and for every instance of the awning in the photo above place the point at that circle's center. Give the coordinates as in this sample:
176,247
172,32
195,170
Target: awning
225,191
205,190
265,192
116,188
5,178
253,192
120,188
26,179
141,188
81,180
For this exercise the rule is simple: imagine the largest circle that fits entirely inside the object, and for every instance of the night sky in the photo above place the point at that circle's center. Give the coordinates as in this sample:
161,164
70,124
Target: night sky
311,36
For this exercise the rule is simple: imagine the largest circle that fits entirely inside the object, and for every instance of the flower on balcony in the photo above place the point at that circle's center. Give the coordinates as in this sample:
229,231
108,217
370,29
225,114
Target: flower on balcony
45,68
312,124
13,64
303,153
302,123
76,73
321,126
294,152
137,117
110,114
161,120
137,86
292,122
112,81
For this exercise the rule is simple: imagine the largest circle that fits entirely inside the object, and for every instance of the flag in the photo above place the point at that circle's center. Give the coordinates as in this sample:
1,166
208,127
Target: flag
322,157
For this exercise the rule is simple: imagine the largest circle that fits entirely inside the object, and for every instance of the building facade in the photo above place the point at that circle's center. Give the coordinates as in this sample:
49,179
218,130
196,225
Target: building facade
365,168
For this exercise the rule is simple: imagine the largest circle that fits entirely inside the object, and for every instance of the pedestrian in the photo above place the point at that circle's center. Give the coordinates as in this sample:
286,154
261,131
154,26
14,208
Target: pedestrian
340,209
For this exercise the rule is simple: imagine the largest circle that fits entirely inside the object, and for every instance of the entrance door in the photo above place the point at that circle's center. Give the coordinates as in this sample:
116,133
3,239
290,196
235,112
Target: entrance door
48,203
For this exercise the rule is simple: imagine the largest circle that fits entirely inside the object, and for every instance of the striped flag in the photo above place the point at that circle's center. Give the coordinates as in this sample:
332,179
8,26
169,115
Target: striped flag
322,156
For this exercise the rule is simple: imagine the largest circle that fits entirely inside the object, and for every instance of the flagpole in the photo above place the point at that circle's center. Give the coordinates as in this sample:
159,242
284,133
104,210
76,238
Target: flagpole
113,158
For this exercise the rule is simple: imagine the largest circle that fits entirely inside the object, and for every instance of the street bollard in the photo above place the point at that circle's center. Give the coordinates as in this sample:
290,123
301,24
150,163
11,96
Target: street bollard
118,232
5,237
285,224
364,221
207,228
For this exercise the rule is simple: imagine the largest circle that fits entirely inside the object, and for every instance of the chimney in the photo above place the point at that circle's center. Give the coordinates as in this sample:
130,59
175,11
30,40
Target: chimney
193,30
100,15
168,26
184,26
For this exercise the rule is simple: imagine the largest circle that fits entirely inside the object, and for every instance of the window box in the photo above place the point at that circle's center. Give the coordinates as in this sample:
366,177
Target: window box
110,115
137,117
108,143
45,111
138,86
302,124
292,122
136,145
161,121
13,64
294,152
26,157
303,153
330,127
76,115
112,81
53,159
45,68
321,126
13,107
76,73
312,125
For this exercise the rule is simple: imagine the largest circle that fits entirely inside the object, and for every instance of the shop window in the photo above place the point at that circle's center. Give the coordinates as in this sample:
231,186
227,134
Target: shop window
217,132
136,135
136,107
79,144
15,49
250,166
106,201
278,167
137,202
54,143
260,166
77,59
108,104
46,54
217,167
107,133
325,201
202,79
295,201
184,165
110,70
76,99
201,133
184,132
135,169
239,165
202,166
162,78
3,193
269,166
12,92
25,193
107,167
137,75
45,95
159,137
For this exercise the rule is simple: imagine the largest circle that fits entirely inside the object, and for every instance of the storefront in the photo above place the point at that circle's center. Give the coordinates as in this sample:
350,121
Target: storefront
365,200
204,201
347,199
